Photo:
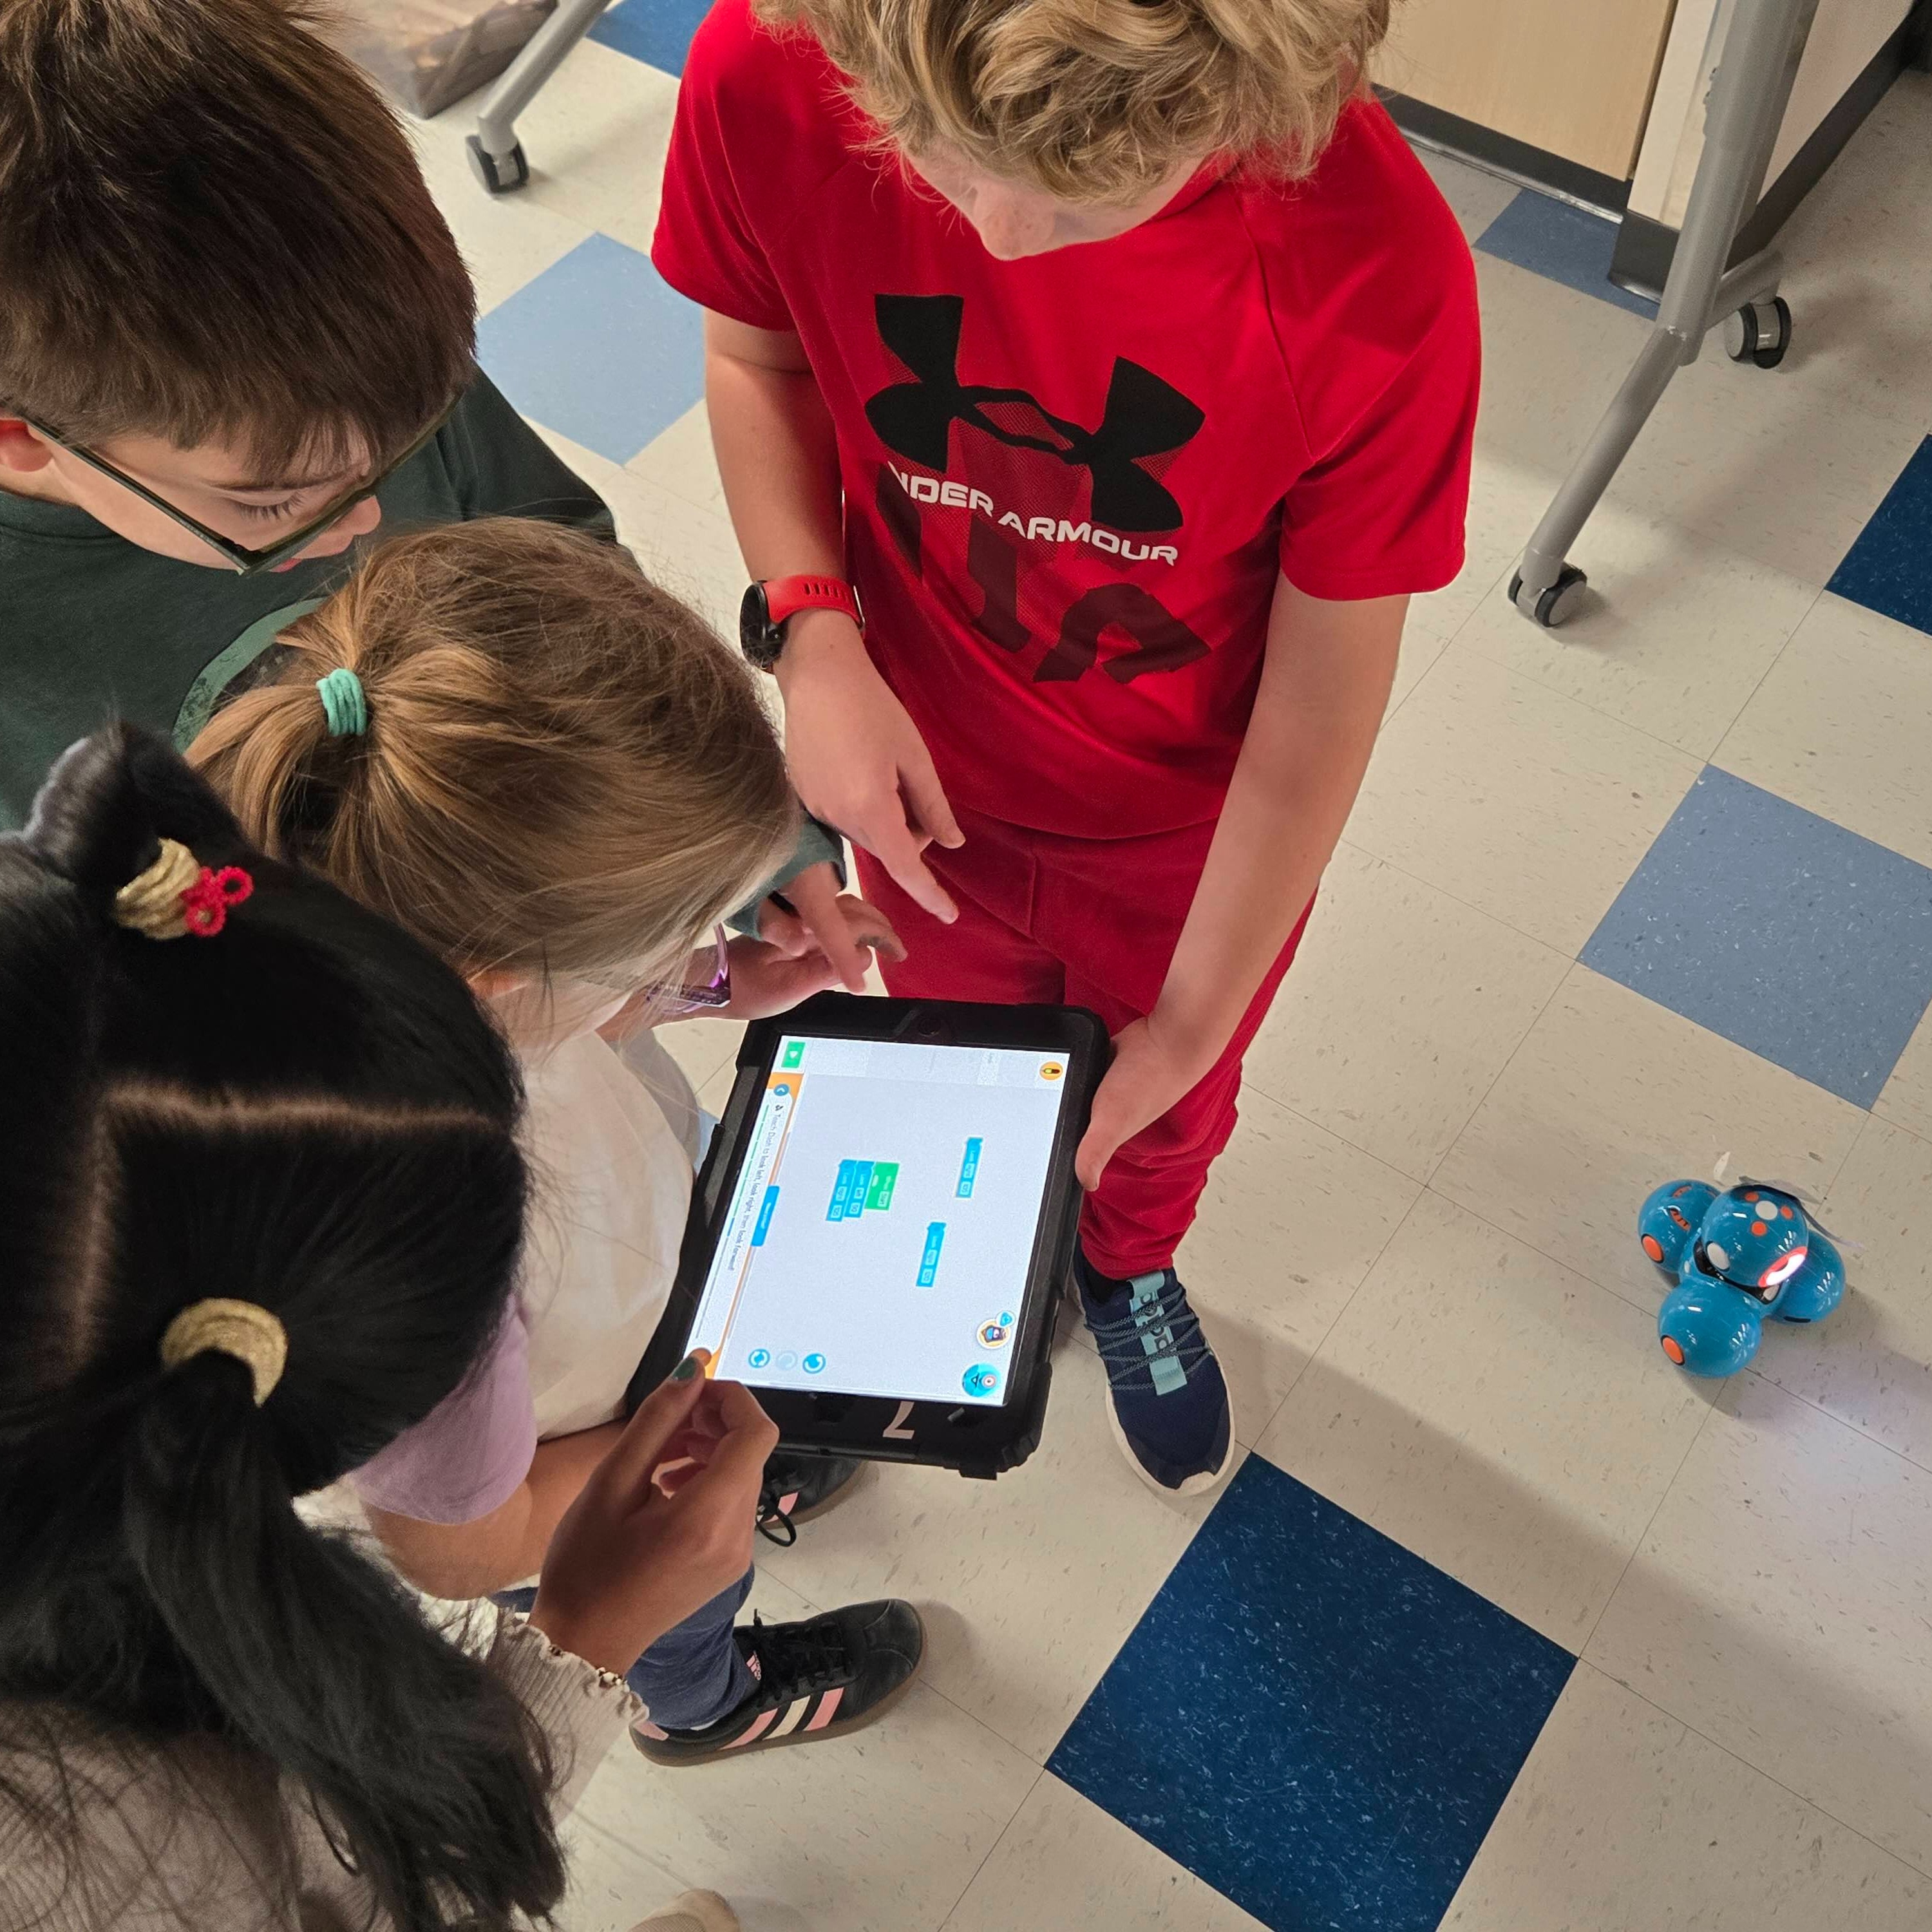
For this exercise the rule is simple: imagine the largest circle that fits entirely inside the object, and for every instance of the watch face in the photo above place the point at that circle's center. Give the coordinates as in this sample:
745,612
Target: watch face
760,639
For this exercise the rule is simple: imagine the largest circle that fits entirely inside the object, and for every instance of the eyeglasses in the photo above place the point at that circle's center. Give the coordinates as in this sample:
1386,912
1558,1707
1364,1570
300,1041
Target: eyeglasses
239,558
706,995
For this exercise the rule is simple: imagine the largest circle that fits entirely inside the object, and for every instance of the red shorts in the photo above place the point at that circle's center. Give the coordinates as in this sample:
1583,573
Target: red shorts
1088,922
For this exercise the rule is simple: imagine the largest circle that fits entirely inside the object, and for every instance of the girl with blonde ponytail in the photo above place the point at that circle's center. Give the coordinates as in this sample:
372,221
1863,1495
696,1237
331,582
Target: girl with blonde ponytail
503,737
1125,359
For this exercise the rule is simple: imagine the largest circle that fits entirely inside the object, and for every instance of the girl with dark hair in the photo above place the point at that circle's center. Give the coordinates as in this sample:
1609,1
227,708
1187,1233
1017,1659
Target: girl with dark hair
261,1203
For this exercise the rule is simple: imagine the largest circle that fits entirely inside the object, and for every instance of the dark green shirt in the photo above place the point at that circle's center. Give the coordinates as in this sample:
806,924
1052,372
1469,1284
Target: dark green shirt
93,628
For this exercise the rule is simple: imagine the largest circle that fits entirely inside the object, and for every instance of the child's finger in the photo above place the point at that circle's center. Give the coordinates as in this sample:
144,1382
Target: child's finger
659,1419
782,930
925,798
814,897
870,927
895,849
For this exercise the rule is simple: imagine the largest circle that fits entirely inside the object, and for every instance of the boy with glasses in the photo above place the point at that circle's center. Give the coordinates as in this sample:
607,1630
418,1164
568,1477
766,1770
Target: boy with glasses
235,335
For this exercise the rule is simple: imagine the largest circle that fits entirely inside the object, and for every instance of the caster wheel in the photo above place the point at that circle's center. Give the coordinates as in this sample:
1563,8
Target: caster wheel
498,173
1555,605
1759,333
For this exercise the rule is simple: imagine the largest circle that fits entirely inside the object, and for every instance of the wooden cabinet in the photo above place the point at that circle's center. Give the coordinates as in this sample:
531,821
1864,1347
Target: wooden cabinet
1573,77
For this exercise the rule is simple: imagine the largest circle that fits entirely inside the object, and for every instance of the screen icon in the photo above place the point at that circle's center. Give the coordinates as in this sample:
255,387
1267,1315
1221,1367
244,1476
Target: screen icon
1052,1070
758,1358
981,1379
794,1053
814,1364
787,1361
993,1333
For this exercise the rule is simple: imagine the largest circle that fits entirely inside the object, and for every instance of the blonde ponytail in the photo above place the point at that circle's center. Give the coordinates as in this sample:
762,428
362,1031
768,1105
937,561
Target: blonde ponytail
562,769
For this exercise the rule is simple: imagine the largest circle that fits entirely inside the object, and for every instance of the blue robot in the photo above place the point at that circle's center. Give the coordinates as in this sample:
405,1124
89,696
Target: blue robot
1738,1256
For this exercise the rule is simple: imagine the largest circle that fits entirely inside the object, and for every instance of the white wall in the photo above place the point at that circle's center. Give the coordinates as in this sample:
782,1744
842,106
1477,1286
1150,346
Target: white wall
1845,35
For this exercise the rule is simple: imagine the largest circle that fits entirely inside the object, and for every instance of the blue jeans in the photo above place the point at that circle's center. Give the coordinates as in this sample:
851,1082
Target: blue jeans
693,1674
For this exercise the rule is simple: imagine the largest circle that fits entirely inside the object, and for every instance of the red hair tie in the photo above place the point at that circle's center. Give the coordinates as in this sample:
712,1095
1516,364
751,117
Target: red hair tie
205,903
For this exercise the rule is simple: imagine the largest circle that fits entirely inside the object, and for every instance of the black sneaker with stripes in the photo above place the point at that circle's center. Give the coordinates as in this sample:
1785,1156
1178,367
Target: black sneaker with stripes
796,1489
822,1678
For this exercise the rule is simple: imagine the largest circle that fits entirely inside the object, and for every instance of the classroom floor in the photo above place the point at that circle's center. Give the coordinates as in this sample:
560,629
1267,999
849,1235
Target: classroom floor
1503,1625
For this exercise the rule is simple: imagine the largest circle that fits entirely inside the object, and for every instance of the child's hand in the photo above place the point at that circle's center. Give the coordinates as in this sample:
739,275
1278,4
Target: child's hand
843,929
768,978
634,1555
1148,1076
857,759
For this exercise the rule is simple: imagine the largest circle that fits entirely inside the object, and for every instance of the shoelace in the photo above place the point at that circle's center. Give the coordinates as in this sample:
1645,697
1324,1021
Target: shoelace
795,1658
1170,1324
774,1525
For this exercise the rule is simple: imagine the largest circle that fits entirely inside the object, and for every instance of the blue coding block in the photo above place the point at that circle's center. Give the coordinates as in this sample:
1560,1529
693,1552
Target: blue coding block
929,1266
841,1191
765,1212
969,1168
862,1180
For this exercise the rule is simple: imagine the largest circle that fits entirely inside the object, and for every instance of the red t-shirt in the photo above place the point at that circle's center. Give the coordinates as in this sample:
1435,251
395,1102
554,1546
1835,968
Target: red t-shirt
1070,480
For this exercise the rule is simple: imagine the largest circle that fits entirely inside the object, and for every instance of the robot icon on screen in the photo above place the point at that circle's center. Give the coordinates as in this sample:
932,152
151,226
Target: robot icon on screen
993,1333
981,1379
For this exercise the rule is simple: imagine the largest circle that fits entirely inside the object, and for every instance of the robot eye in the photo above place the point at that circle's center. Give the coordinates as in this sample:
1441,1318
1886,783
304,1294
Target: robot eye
1719,1257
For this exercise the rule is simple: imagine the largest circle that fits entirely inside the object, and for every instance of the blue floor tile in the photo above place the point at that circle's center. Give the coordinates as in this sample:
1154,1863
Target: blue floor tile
1776,928
657,32
599,348
1317,1723
1889,568
1567,244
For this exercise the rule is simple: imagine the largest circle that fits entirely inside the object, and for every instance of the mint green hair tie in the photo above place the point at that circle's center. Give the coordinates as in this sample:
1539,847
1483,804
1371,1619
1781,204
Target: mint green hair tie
344,703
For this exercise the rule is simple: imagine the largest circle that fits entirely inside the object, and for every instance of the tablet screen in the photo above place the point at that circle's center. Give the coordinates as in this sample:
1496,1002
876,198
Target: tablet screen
881,1227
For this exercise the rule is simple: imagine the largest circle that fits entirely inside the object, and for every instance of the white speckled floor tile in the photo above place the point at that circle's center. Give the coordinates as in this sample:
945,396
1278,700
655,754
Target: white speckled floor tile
681,460
1063,1863
1675,649
1841,723
1522,802
507,240
1610,1094
1402,1008
1477,197
1501,1416
1870,1363
1778,1606
876,1832
1623,1821
1907,1099
1031,1582
595,138
1292,1220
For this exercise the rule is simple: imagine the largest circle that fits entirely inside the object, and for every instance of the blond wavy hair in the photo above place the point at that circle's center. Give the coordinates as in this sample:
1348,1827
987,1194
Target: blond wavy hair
563,769
1098,101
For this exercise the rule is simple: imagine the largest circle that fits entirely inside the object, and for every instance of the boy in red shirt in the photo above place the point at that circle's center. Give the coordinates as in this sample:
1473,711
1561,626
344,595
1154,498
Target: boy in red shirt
1123,357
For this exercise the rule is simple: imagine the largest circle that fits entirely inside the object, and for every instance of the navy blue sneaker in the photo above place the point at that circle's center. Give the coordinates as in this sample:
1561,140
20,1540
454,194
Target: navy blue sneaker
1167,1401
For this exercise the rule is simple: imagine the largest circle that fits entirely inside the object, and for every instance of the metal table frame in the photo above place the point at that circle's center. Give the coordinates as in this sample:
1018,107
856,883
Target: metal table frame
1762,45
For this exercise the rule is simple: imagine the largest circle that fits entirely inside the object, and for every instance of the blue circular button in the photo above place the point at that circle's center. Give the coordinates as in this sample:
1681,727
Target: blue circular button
787,1361
813,1364
758,1358
981,1379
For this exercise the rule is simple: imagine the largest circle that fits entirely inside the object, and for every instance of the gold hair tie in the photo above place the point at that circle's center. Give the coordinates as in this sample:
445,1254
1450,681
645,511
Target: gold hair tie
243,1329
178,894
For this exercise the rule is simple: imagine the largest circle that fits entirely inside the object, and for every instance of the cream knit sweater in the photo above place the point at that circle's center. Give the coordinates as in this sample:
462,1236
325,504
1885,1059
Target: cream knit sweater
152,1858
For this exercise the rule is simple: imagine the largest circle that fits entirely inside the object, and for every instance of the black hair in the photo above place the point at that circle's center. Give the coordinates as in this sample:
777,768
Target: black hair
308,1111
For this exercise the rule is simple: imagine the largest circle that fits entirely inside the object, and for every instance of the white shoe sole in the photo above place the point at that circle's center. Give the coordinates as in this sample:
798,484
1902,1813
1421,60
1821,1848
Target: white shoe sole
1195,1486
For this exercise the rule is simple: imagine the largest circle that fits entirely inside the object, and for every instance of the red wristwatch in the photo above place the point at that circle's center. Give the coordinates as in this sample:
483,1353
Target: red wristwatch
761,617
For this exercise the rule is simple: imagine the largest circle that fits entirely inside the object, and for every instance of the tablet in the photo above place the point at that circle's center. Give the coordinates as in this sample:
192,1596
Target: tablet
882,1224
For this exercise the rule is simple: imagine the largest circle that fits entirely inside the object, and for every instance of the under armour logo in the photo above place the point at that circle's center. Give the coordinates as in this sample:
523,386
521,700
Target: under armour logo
1145,416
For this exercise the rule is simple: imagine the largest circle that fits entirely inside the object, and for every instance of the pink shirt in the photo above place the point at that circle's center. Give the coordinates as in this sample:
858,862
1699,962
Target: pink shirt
469,1455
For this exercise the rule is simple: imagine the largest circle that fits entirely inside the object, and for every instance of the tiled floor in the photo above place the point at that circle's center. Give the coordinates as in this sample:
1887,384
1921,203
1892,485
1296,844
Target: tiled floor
1503,1624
